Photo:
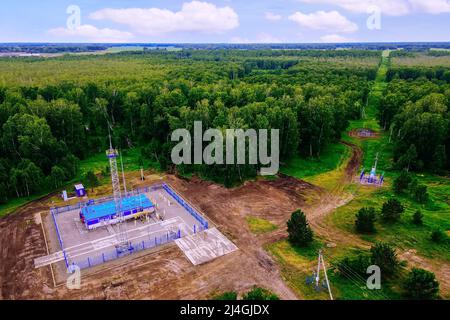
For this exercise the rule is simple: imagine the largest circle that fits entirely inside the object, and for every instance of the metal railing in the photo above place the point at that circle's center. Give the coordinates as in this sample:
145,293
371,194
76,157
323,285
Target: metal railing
113,253
185,205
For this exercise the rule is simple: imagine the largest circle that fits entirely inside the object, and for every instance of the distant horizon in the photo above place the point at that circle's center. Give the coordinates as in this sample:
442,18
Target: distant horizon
228,43
224,21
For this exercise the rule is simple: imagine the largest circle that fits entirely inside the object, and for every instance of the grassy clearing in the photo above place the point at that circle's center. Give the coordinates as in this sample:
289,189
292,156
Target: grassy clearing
381,144
13,204
259,225
299,263
404,234
330,179
335,155
96,163
331,158
371,147
131,160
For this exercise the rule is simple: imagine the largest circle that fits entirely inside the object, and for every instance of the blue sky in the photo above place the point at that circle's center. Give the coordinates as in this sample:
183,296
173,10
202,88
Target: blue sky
224,21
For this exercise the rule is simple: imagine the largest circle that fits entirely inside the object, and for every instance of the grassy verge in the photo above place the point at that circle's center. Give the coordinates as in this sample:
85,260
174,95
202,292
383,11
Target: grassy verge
131,159
96,163
330,159
299,263
404,234
13,204
259,225
380,145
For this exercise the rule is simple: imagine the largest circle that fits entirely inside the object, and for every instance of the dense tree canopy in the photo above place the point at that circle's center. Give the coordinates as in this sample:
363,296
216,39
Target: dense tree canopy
56,111
48,121
416,110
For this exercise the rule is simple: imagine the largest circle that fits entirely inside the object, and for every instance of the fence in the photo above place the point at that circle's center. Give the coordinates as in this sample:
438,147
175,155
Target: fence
59,238
185,205
112,254
105,256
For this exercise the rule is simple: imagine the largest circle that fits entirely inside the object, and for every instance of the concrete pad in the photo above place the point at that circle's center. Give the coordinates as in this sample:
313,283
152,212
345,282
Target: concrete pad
86,248
205,246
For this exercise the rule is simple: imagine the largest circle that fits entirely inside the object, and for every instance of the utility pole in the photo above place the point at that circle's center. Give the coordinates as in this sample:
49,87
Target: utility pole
321,262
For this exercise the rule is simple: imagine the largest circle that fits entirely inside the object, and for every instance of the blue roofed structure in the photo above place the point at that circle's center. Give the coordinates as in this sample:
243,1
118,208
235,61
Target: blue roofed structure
94,214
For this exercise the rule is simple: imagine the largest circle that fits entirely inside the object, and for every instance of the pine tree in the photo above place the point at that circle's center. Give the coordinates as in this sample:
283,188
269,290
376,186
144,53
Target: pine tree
92,180
365,219
402,182
392,210
300,232
421,285
384,256
418,217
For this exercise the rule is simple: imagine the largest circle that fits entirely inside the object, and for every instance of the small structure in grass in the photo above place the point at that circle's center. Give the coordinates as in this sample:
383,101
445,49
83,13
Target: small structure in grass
372,178
363,133
80,190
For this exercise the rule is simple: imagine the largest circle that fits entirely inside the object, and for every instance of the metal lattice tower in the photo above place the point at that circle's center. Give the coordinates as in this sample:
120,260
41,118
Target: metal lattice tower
112,155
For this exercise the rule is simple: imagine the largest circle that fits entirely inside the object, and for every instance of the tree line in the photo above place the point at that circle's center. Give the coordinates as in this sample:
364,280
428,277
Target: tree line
45,129
415,110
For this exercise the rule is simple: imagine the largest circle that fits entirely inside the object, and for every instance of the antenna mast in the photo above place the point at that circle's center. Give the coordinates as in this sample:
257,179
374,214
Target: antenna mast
376,161
123,175
112,155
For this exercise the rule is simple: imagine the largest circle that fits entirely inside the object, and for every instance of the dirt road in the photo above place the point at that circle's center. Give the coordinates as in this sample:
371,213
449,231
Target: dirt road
168,274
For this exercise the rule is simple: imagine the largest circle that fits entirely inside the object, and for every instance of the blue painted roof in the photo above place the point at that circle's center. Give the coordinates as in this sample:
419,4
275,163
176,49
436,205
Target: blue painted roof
109,208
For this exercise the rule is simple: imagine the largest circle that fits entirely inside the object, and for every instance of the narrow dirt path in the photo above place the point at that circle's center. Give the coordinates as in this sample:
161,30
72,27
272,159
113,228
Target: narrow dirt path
332,199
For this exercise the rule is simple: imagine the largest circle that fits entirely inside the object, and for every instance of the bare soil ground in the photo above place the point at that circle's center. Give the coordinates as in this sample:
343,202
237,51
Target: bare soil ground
167,274
164,274
22,240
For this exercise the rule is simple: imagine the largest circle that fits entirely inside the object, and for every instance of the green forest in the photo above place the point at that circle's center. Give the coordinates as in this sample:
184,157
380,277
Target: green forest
55,112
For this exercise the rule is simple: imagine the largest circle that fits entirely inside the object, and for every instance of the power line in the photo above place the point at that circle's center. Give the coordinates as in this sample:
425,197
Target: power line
356,278
362,279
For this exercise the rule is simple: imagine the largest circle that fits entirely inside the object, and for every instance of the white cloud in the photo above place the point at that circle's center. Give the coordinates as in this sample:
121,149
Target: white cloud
90,33
334,38
389,7
324,20
272,16
194,16
431,6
